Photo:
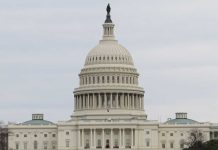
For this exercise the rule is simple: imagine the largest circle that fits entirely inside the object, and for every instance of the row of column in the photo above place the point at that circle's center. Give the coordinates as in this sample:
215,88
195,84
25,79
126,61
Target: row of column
87,138
108,79
108,100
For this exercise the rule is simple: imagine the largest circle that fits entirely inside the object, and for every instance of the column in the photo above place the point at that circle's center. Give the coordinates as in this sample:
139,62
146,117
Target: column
111,139
78,142
105,100
140,105
131,138
103,145
82,138
93,101
80,102
111,100
133,101
99,100
117,100
122,100
84,101
123,138
74,102
143,102
91,139
120,143
88,101
94,138
128,99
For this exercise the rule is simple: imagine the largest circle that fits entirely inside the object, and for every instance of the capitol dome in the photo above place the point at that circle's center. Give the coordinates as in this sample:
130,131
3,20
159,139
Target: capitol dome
109,52
109,80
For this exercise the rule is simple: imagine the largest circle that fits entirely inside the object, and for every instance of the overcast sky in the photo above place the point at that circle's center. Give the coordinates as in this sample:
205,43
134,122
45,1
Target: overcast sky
43,45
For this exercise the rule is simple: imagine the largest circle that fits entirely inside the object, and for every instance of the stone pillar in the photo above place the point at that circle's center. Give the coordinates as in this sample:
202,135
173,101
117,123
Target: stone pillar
123,138
105,100
122,100
111,100
74,102
111,139
78,142
103,145
128,99
82,138
99,100
117,100
88,101
93,101
143,102
140,105
91,139
120,141
131,138
94,138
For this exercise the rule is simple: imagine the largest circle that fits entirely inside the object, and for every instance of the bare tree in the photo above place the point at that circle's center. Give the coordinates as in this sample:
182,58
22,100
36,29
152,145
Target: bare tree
195,139
3,136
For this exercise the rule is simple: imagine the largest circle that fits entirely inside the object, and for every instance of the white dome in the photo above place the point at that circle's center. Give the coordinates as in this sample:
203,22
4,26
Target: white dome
109,52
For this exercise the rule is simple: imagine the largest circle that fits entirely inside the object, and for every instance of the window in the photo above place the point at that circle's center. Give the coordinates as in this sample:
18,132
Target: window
35,135
35,145
93,80
99,143
67,133
98,79
17,146
118,79
108,79
128,145
25,135
116,145
45,145
53,145
181,145
147,132
147,143
163,145
53,135
171,134
25,145
171,145
45,135
163,134
67,143
181,134
87,144
102,79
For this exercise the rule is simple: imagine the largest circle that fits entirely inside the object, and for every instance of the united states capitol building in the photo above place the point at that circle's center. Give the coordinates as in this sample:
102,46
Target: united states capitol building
109,110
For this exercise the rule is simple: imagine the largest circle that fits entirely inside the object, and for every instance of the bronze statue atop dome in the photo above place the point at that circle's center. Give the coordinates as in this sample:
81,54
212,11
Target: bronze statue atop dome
108,17
108,9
